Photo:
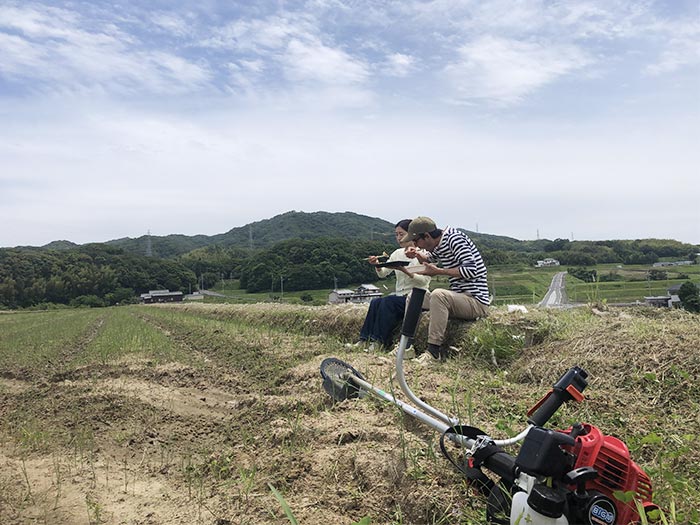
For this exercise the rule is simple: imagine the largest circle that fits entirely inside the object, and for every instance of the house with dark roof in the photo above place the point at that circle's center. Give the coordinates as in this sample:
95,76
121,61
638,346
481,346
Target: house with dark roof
161,296
671,300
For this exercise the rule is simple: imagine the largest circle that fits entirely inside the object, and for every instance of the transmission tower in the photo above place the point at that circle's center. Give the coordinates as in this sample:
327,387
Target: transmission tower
149,245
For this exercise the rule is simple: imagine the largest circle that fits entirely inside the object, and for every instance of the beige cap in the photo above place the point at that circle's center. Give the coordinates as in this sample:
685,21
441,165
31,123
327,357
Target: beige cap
418,226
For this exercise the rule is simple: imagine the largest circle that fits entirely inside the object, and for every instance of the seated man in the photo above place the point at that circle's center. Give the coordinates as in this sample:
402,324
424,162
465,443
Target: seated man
459,259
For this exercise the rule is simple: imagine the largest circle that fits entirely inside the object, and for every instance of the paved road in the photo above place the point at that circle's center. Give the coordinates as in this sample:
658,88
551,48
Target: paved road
212,294
555,296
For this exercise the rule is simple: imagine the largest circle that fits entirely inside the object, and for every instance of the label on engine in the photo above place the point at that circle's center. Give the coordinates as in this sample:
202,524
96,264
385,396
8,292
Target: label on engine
602,512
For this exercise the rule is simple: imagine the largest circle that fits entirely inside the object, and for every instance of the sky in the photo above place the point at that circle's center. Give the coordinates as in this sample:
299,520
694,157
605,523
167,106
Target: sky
575,119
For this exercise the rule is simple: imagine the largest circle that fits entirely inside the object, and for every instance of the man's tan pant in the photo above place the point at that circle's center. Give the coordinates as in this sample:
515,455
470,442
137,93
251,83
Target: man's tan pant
445,304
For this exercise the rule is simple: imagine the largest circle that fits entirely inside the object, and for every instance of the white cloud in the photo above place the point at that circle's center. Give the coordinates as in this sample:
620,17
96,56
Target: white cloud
134,172
260,36
17,55
399,65
682,49
52,49
312,105
504,71
170,23
316,62
245,74
289,57
40,22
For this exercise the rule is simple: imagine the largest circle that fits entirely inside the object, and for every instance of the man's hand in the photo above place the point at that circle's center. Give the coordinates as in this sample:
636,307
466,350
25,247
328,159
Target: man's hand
430,269
373,259
414,253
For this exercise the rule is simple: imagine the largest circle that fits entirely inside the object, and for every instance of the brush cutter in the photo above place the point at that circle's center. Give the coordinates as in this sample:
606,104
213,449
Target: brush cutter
558,477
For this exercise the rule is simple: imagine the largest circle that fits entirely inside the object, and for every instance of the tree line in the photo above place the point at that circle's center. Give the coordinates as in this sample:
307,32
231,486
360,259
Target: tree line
101,274
591,253
90,275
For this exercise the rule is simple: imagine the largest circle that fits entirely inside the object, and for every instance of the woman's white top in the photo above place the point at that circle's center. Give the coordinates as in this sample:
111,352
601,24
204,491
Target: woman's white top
404,283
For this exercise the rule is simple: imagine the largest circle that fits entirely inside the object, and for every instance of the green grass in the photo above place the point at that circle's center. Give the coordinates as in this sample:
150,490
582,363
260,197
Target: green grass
520,284
124,333
52,341
234,294
35,339
641,390
633,286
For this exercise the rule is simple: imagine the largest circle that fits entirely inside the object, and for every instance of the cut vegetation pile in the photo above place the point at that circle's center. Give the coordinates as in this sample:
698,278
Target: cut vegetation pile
192,413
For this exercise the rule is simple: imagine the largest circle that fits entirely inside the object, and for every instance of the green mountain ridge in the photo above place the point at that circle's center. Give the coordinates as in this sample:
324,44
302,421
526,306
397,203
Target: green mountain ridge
312,225
265,233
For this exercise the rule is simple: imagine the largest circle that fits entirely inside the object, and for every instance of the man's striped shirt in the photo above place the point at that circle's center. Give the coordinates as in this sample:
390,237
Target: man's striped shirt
456,249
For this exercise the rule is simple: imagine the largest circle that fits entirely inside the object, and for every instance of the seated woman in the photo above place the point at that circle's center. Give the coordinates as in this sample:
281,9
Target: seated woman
386,313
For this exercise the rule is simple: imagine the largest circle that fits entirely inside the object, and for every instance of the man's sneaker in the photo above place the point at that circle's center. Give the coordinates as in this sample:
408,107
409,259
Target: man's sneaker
355,346
426,359
372,347
408,353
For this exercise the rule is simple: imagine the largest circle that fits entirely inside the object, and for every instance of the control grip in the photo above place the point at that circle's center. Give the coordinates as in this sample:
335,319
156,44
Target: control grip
415,305
569,386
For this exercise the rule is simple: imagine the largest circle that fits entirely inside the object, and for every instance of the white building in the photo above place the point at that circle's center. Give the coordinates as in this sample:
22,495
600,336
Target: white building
363,294
547,262
340,296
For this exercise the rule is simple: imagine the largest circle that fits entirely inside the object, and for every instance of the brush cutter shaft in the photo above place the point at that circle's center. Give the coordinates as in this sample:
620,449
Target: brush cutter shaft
401,378
408,409
408,331
500,463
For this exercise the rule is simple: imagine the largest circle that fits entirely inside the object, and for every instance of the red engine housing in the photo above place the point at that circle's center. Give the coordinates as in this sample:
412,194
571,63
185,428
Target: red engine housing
610,457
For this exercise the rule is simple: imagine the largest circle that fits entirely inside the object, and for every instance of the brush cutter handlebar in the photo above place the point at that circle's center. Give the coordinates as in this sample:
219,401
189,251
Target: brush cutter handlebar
410,320
569,386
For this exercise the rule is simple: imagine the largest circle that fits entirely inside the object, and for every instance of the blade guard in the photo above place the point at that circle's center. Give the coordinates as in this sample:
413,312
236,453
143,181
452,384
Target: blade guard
336,379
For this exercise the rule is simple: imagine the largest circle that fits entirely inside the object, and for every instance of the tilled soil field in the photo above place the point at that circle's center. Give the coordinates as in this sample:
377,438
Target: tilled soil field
128,438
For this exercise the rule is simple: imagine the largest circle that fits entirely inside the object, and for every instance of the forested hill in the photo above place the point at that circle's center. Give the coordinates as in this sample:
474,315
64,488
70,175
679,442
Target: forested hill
308,250
498,249
265,233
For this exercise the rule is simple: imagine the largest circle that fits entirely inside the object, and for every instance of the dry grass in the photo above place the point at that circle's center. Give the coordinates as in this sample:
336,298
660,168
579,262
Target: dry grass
195,432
